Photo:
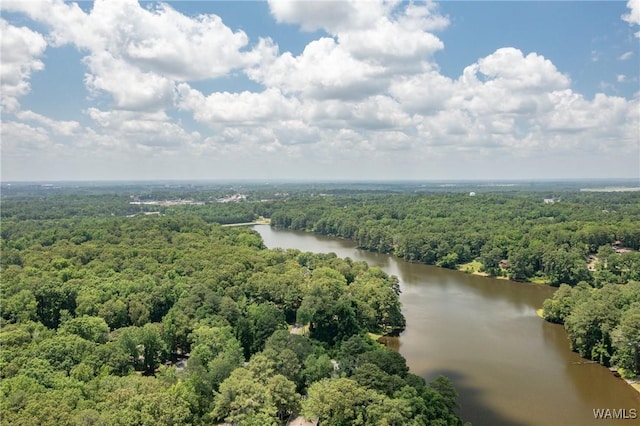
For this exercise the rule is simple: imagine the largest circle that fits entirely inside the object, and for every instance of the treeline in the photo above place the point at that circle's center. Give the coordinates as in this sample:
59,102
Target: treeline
173,320
517,235
64,206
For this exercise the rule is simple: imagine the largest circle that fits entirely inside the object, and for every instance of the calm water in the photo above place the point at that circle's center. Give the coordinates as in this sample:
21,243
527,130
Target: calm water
509,366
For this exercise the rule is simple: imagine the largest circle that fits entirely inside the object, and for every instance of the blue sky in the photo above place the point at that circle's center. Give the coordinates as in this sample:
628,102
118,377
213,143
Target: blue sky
320,90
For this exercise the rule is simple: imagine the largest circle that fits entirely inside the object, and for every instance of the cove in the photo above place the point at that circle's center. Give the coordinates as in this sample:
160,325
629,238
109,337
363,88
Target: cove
509,366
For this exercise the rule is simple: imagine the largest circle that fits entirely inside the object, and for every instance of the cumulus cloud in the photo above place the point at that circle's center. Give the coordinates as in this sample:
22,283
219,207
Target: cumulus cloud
323,70
511,101
368,43
245,107
422,93
21,49
332,16
136,53
130,87
633,17
20,139
511,69
64,128
367,91
136,130
379,31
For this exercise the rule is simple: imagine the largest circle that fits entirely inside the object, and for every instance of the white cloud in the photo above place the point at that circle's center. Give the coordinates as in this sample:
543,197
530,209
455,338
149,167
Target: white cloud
64,128
507,82
332,16
379,113
521,103
509,67
20,50
135,130
246,108
68,23
625,56
422,93
370,42
573,113
323,70
373,30
407,35
136,54
130,88
20,139
633,17
365,95
388,41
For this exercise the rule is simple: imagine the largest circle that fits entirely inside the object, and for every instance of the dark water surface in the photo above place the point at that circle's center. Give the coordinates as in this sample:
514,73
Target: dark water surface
509,366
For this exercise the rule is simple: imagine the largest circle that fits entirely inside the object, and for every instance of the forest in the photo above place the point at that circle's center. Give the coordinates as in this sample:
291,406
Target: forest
114,318
117,309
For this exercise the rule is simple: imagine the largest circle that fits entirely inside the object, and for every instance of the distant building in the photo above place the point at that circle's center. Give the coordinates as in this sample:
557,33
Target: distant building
472,194
549,201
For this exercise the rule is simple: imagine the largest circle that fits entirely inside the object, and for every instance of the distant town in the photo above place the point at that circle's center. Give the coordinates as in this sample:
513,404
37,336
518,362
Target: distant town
235,198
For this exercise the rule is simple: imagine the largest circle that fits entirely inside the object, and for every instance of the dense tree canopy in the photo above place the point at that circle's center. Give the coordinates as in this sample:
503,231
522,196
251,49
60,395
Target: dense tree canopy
519,235
171,319
134,306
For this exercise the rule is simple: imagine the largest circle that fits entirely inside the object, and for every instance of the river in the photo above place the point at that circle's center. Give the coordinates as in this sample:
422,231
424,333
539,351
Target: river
509,366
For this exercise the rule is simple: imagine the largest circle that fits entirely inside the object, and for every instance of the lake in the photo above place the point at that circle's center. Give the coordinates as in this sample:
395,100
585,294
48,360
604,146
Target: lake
509,366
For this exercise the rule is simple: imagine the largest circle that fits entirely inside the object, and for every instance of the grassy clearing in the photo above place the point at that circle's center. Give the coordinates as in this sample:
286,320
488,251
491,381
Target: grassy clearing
303,330
374,336
472,267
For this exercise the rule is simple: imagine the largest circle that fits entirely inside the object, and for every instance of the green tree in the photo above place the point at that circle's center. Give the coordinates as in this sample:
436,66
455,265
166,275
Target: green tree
282,393
264,318
626,341
564,267
94,329
449,261
563,302
316,368
338,402
65,351
20,307
589,325
153,347
387,360
240,397
445,388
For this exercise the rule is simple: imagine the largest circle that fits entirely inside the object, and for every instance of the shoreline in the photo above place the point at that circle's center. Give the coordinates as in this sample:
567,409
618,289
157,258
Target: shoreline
633,383
467,268
259,221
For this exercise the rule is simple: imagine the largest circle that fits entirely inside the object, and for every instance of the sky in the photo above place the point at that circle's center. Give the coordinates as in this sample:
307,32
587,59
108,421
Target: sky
319,90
